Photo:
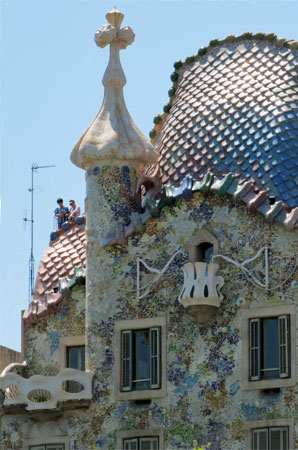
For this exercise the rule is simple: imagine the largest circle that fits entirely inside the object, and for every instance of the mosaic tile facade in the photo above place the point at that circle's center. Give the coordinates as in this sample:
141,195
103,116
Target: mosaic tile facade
205,400
232,112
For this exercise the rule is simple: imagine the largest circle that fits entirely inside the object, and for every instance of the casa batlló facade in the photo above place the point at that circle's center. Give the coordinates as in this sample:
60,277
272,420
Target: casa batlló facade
170,316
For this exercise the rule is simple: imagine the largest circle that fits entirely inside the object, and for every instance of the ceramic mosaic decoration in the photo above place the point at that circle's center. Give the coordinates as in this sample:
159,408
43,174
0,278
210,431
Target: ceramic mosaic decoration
189,250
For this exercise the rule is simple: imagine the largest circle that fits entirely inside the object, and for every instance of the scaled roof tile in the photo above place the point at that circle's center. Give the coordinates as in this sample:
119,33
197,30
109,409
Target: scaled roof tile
58,261
246,84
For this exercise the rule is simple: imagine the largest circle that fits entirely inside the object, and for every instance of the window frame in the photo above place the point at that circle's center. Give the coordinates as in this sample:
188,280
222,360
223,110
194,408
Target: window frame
199,237
263,313
139,324
271,423
36,447
136,434
69,341
138,440
79,358
46,440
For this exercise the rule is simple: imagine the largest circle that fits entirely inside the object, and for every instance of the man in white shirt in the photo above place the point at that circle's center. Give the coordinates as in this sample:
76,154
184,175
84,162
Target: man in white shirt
75,210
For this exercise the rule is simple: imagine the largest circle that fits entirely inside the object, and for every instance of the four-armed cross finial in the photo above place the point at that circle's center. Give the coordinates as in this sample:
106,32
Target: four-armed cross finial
118,38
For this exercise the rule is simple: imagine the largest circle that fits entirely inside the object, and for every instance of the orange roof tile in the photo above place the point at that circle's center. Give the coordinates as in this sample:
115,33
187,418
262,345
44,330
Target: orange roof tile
58,261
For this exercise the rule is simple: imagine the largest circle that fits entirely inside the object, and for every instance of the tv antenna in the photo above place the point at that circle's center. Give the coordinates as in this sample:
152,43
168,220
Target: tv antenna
34,169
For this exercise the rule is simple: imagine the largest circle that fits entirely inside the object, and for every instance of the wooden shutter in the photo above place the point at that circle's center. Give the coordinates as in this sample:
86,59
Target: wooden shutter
285,438
149,443
154,341
254,349
279,438
284,344
260,439
131,444
126,360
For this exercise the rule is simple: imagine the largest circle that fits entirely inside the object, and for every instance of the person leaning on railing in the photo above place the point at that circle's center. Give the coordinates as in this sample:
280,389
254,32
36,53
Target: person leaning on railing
75,210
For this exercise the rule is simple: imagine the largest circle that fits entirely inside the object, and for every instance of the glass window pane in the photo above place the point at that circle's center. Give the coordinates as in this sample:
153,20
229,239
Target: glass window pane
141,375
130,444
204,252
145,444
76,357
278,438
275,439
149,443
260,439
270,346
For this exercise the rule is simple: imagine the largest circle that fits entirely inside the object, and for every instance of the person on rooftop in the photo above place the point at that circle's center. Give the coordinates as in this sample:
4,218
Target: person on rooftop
61,212
75,210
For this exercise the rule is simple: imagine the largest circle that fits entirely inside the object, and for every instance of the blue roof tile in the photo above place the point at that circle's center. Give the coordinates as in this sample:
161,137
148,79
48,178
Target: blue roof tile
245,118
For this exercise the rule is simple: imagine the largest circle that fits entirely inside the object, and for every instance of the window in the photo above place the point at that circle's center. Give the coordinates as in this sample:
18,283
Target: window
269,347
271,438
48,447
204,252
76,357
141,443
149,439
271,434
140,359
72,352
202,247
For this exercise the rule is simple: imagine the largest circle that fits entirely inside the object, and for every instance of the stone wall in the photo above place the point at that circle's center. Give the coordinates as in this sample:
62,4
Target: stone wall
7,356
43,335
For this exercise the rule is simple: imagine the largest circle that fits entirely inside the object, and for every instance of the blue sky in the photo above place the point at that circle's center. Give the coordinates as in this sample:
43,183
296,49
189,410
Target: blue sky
51,90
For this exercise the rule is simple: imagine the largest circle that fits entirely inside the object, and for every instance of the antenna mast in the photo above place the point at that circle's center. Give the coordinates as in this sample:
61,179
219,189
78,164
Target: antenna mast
34,168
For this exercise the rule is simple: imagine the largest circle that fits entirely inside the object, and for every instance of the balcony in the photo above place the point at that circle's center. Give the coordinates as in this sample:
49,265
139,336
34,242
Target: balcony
200,295
43,393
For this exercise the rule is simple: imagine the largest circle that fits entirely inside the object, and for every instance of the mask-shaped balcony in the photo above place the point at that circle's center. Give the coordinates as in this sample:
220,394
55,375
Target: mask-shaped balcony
43,393
200,295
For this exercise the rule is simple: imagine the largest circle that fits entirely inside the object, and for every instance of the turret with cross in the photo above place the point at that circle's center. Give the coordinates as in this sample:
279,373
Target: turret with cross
112,150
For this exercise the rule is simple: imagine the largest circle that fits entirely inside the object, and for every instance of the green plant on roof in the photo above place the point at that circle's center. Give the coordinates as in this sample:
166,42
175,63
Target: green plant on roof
202,51
171,93
167,108
260,36
270,37
229,39
177,65
157,120
213,42
174,76
190,59
246,36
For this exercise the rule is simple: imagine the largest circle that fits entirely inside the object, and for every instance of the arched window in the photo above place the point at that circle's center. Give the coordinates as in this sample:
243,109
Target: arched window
204,252
203,246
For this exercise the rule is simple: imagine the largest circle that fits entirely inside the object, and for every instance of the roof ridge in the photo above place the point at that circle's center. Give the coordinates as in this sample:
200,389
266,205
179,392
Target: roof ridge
257,200
230,39
79,221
